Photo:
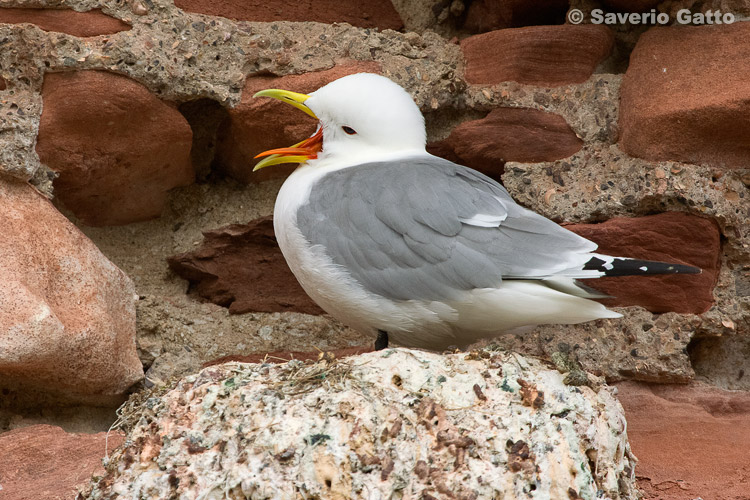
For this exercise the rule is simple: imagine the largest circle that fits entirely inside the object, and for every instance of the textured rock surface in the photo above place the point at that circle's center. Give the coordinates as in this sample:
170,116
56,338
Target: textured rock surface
671,109
691,441
256,125
189,58
399,420
601,182
723,361
548,56
508,134
67,320
366,14
118,149
242,268
665,237
91,23
44,461
640,346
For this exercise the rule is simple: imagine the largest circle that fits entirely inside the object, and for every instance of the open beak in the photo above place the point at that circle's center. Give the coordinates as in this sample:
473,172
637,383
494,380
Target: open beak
300,152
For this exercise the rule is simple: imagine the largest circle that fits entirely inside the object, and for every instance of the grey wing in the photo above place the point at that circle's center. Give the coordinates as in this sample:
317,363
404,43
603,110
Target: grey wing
426,228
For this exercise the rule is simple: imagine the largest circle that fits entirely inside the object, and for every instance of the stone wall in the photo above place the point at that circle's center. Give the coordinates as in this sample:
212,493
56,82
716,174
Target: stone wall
135,120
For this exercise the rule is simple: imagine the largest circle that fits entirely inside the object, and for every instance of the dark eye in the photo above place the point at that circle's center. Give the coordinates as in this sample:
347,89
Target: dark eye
348,130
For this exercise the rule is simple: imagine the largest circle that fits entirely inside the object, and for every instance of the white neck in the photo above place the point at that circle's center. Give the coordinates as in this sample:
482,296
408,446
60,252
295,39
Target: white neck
328,163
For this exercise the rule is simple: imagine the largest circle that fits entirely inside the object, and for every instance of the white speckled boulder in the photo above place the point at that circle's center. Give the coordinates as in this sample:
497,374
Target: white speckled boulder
391,424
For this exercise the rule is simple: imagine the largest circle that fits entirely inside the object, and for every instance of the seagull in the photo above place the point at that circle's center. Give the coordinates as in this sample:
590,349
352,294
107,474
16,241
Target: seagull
406,246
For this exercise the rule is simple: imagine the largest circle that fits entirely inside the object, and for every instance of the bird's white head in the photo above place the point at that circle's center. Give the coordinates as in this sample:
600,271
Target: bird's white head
363,117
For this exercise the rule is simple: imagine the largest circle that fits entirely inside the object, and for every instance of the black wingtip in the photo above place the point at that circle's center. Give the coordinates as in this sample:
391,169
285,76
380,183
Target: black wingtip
635,267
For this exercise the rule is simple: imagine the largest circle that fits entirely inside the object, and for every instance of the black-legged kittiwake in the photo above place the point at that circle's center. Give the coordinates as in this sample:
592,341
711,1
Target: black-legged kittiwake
401,244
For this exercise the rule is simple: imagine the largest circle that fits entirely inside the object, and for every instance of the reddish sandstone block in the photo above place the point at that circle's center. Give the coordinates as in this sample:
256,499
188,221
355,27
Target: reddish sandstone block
241,267
686,97
691,440
365,14
44,461
548,56
90,23
509,134
256,125
668,237
117,147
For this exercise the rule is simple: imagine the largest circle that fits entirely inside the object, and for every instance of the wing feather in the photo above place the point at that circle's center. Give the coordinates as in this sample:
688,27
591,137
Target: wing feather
426,228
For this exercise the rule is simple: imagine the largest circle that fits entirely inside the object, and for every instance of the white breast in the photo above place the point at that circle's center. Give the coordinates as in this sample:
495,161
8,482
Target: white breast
333,289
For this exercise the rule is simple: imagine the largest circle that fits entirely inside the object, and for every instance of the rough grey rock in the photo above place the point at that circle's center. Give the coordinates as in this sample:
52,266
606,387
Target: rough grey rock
395,422
570,190
175,55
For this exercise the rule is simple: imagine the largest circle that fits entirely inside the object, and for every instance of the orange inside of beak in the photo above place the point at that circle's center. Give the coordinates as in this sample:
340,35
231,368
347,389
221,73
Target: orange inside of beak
309,149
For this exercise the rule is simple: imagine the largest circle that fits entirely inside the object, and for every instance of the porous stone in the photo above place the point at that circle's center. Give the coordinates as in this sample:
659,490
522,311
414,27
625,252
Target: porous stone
723,361
84,24
508,134
256,125
241,267
483,424
547,56
666,237
671,107
118,148
67,320
44,461
19,122
601,182
365,14
638,346
594,122
691,440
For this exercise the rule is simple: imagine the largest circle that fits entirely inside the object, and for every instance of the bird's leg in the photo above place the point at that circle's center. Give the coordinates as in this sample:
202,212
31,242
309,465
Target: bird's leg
382,341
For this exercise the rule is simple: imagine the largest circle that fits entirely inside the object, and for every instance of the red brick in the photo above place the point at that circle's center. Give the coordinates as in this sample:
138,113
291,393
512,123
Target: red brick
365,14
686,97
691,441
44,461
509,134
84,24
547,56
668,237
117,147
242,268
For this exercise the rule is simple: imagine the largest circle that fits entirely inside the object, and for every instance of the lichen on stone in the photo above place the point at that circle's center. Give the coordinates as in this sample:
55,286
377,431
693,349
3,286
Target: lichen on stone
397,423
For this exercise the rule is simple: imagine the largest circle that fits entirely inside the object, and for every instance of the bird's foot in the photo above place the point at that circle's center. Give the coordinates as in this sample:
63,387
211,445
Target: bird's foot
382,341
565,362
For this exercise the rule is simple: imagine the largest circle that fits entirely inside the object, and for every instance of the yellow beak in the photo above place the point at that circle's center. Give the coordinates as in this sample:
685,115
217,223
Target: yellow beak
300,152
294,98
